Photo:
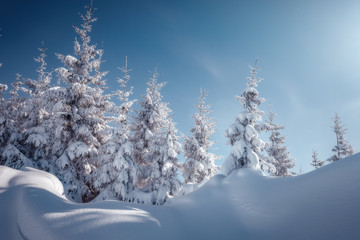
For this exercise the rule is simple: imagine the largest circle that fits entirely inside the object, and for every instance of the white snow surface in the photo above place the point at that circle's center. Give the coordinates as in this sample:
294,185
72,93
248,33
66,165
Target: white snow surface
322,204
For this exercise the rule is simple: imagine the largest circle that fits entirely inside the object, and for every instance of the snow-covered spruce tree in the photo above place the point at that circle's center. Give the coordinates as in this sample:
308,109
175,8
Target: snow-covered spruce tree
82,127
36,135
11,115
316,162
24,120
246,146
12,119
163,181
276,151
4,135
199,164
4,130
156,146
342,149
148,120
116,173
3,87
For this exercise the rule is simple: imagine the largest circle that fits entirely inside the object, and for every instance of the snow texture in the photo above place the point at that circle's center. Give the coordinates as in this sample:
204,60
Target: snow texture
322,204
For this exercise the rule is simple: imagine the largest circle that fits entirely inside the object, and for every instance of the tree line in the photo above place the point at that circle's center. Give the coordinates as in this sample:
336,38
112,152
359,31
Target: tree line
100,150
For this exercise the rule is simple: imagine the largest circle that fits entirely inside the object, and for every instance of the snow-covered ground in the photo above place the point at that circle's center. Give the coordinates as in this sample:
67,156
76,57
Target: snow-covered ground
323,204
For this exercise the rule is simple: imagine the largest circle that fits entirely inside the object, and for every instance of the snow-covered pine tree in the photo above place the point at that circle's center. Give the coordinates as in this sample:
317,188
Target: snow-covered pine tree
199,164
4,135
246,146
3,87
116,173
276,151
4,131
164,180
342,149
148,120
29,119
82,125
1,63
35,137
12,119
156,146
316,162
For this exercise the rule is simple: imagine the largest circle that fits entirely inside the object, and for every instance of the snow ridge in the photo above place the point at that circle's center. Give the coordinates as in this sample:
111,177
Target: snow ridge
244,204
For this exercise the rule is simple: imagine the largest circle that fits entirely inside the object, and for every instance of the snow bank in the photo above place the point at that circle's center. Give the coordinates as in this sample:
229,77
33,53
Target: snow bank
323,204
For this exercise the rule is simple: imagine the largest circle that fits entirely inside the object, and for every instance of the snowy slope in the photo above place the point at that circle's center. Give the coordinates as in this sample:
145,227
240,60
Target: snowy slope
323,204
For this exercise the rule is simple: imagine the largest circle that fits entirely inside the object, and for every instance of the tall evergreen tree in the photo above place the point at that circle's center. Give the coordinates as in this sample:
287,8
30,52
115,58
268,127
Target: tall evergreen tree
316,162
0,63
36,136
156,145
12,120
3,134
148,120
164,181
4,131
342,149
116,173
199,164
276,151
82,125
246,146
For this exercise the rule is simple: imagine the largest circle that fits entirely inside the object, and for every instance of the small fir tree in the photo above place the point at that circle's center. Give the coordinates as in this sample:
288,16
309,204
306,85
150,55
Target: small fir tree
342,149
36,136
276,151
155,145
199,164
12,119
116,173
4,130
316,162
246,146
148,120
3,88
164,180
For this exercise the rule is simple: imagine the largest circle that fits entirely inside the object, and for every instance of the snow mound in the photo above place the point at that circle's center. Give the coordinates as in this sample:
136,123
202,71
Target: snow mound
323,204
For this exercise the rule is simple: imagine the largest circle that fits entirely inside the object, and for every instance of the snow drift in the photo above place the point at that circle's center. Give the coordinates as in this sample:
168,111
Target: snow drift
323,204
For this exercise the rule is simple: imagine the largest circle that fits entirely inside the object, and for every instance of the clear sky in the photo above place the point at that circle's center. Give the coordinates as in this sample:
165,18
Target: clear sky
309,53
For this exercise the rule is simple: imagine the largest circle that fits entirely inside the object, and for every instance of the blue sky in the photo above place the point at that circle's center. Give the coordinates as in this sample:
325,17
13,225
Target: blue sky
309,53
